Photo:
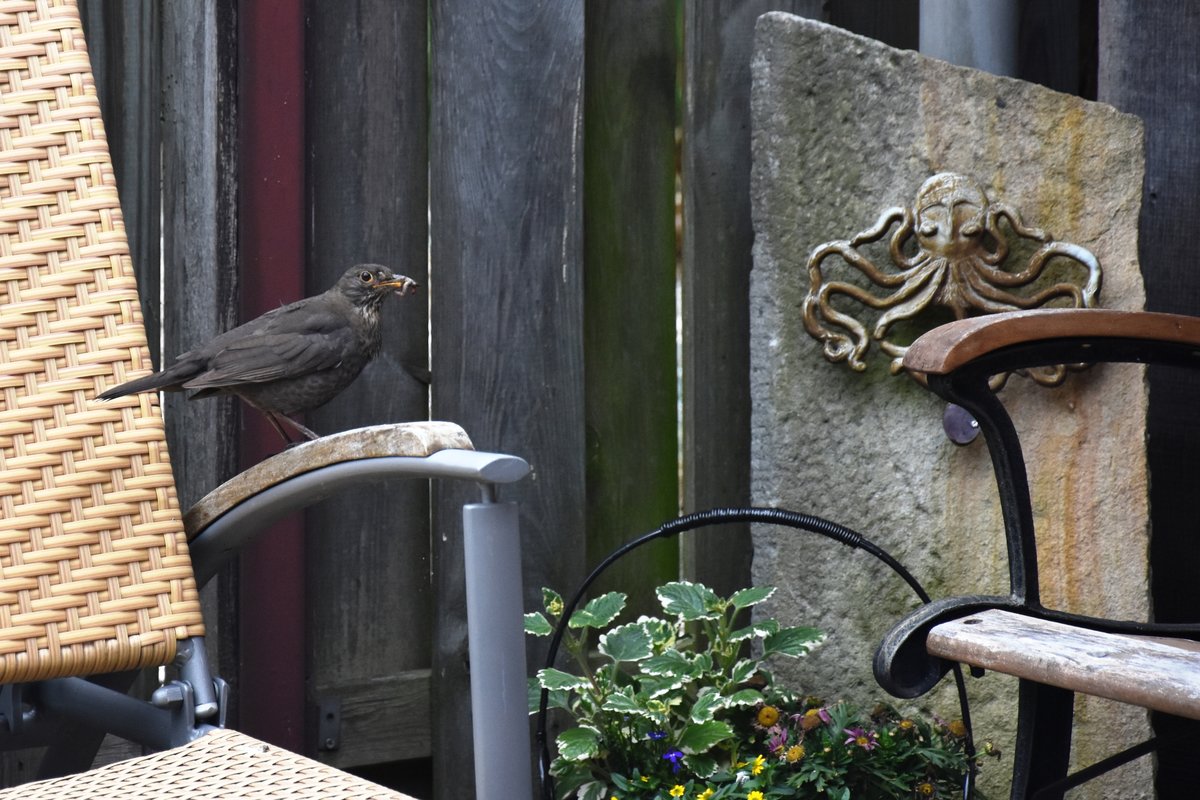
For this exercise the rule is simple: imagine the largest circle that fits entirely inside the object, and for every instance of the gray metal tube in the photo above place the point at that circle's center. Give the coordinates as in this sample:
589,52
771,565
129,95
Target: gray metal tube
495,627
971,33
226,536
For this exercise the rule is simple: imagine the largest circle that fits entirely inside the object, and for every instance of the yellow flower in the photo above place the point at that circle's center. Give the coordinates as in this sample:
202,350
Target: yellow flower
707,793
811,719
677,791
755,795
957,728
768,716
925,789
794,753
758,765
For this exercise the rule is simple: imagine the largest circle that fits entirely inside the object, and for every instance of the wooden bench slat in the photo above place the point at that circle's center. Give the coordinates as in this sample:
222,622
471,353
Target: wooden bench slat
1156,673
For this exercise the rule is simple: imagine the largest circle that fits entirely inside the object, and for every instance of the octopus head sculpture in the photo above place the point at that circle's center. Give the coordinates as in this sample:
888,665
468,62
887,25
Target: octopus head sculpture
949,251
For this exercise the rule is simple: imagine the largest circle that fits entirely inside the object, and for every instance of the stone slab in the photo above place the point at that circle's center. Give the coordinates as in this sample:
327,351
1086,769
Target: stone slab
844,127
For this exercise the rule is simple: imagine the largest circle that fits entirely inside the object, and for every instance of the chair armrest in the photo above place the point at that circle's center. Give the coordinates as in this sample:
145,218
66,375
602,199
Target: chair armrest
232,514
416,439
1157,673
955,344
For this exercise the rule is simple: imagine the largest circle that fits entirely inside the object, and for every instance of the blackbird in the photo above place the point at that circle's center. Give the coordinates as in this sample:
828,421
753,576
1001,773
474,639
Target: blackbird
291,359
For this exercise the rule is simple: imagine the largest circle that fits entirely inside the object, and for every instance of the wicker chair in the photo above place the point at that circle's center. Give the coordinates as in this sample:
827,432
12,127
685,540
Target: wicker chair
96,567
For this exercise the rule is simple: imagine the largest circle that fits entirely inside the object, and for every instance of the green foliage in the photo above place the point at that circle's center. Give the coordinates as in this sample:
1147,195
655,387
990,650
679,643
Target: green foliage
670,707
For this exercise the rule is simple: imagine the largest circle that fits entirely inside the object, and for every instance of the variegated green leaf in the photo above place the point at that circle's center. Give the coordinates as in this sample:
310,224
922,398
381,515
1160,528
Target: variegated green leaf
792,641
761,630
551,678
706,705
700,737
628,642
537,625
752,596
691,601
578,744
598,612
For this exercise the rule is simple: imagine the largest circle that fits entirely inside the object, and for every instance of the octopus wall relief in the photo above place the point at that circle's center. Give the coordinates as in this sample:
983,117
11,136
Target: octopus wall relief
949,251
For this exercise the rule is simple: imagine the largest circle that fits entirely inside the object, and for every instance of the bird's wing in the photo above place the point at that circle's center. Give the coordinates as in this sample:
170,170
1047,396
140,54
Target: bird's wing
294,345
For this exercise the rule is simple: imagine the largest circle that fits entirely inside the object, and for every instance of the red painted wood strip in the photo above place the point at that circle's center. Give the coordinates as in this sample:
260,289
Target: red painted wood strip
272,246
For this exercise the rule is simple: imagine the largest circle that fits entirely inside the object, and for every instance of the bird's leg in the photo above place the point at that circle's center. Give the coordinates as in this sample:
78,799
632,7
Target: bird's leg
300,428
278,428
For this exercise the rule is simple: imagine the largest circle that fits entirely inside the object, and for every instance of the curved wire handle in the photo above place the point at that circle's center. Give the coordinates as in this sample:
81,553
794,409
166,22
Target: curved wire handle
721,516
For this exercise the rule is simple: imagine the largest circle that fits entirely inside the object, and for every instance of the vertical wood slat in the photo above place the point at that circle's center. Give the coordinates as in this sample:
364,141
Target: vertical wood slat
717,239
629,290
506,246
893,22
200,262
368,549
1147,57
125,43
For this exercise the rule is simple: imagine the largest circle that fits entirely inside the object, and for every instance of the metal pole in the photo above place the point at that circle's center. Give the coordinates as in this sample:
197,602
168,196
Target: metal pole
969,33
495,628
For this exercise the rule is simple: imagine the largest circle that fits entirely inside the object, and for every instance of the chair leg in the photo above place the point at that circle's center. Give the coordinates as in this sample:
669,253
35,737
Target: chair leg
1043,750
74,746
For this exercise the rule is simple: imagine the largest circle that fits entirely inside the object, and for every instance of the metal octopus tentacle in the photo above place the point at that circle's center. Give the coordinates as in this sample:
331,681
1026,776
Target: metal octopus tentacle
959,264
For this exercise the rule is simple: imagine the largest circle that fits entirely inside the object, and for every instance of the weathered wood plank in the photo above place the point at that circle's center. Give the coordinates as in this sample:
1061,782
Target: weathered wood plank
382,720
1159,674
717,239
199,241
629,290
125,43
893,22
1146,67
506,216
370,609
1057,46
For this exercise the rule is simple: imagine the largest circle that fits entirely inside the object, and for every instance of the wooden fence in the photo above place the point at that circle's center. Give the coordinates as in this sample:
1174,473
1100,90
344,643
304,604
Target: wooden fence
519,159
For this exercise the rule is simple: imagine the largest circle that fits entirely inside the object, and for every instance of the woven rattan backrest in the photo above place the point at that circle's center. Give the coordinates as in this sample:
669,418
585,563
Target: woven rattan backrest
94,567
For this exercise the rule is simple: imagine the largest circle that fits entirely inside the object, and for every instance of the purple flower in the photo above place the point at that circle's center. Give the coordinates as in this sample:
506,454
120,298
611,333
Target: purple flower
777,740
654,736
675,757
867,740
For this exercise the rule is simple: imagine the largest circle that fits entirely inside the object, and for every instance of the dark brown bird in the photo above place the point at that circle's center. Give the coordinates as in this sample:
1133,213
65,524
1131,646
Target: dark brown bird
293,358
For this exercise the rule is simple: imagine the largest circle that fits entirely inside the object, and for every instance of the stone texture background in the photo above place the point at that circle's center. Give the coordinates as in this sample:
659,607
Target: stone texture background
845,127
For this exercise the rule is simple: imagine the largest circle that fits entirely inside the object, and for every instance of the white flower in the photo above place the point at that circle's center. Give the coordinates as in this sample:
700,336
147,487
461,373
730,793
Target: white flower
741,777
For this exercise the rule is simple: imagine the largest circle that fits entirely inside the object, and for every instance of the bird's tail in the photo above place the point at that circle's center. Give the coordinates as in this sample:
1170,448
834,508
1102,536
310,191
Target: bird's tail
157,380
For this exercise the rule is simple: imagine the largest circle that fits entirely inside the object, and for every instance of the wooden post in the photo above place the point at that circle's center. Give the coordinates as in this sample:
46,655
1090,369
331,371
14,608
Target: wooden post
1147,67
370,613
629,291
125,44
199,249
507,248
717,237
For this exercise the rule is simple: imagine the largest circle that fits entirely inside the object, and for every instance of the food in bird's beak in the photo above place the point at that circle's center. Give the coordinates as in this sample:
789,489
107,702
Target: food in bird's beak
403,285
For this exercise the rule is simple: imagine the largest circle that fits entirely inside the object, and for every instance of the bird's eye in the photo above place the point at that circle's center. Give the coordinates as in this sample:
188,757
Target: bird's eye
365,276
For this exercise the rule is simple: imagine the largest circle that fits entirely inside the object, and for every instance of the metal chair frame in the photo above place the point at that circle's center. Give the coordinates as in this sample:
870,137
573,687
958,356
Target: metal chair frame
1045,713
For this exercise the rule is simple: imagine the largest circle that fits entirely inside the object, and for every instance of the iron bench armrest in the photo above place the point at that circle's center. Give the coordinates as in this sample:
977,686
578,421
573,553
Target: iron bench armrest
957,360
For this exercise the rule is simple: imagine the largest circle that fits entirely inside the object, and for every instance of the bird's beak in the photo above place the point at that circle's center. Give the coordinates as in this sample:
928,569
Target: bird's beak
402,284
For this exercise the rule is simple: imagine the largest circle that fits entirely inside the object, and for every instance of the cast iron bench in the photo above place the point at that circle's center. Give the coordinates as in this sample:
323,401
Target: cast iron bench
1054,653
